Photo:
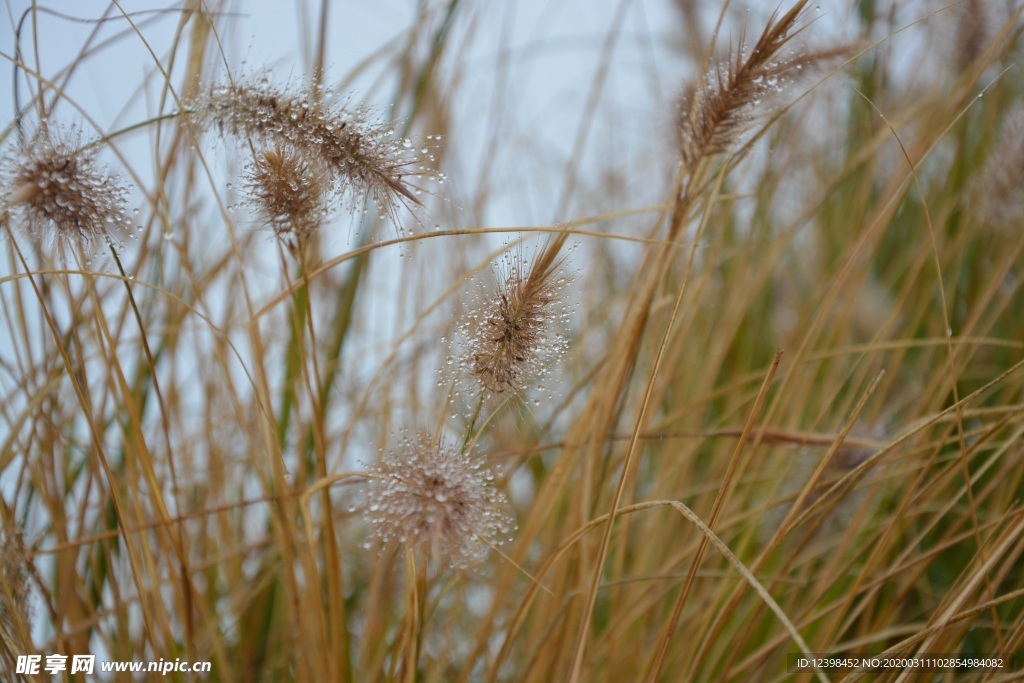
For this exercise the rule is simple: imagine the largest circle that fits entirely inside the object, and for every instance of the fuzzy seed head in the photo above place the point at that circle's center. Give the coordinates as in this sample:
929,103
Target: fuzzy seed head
514,334
362,157
715,113
439,500
58,191
289,192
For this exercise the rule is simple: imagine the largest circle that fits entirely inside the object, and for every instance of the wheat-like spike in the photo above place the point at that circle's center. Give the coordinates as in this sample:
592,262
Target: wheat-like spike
715,113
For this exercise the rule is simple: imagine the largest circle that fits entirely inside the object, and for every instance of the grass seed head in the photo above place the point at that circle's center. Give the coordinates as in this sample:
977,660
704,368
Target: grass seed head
438,499
716,113
58,191
362,157
514,334
289,192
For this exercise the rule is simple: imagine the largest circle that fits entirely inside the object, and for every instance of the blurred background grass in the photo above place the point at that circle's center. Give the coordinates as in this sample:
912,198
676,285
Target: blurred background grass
174,436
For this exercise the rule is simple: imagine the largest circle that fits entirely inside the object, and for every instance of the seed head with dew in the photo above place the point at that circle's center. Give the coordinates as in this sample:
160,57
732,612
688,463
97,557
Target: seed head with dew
437,499
54,189
719,110
360,153
289,193
513,335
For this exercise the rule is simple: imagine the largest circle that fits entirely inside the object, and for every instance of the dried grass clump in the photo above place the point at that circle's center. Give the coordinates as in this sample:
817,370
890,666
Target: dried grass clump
362,157
439,500
289,192
56,190
513,335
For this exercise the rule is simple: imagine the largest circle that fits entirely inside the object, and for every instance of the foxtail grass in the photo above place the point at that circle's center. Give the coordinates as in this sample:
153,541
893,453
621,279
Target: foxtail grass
752,388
